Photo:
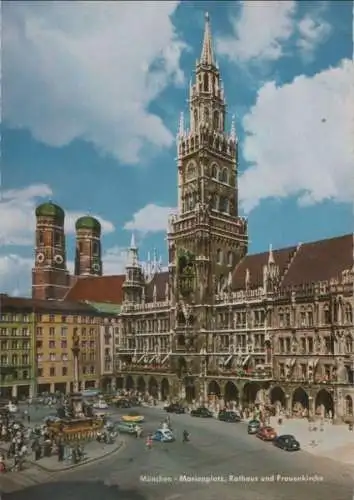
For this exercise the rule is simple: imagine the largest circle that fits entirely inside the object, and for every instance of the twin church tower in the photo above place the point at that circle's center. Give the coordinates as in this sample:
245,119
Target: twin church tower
50,276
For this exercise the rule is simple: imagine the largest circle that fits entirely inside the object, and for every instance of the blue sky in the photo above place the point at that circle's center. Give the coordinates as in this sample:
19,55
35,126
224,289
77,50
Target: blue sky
91,101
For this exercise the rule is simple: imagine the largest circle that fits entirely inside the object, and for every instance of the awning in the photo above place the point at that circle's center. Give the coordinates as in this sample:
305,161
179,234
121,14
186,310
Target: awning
166,357
228,360
245,361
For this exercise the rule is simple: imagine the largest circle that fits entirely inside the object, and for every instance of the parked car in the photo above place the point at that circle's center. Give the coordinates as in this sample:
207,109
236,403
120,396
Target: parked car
229,416
133,401
202,413
163,436
253,426
126,427
123,403
287,442
174,408
100,405
266,433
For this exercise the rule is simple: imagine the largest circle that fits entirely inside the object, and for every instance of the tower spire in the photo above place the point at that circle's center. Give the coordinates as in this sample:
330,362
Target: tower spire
207,56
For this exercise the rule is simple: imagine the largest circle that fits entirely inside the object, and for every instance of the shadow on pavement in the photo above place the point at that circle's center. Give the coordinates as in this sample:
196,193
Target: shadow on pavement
75,490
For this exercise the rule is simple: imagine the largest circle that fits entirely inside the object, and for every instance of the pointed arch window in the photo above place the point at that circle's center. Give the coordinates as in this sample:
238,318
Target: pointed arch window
223,176
205,82
57,239
348,314
224,205
206,115
40,238
348,344
219,256
95,248
213,201
230,259
195,118
216,120
214,171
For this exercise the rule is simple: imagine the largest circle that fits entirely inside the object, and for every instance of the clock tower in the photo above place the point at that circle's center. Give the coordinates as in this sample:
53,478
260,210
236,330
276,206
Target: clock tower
207,237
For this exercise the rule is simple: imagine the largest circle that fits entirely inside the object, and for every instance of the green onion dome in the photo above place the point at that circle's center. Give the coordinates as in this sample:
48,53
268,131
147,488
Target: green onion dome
88,222
49,209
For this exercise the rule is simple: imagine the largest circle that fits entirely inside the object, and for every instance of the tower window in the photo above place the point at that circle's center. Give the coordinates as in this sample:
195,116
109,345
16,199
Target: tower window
57,239
206,82
95,248
195,119
224,205
206,115
40,238
230,259
219,256
216,120
223,177
214,171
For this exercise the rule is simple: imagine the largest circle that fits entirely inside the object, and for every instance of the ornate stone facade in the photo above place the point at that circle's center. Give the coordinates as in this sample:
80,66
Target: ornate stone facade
273,328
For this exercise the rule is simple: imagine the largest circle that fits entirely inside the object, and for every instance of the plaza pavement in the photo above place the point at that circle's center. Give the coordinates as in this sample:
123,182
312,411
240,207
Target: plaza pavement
199,470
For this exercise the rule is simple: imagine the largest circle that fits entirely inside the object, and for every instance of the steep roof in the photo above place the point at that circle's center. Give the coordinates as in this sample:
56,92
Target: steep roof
320,261
255,263
160,280
8,303
101,289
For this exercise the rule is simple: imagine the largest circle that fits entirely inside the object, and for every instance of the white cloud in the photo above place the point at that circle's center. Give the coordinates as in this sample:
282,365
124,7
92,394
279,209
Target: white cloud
150,219
312,31
259,31
300,140
17,215
15,275
83,70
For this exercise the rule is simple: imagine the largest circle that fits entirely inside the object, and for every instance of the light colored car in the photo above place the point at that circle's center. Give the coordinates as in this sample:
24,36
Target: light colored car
12,408
163,436
100,405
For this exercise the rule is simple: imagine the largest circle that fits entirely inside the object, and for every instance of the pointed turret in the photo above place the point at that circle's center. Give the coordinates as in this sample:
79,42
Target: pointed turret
134,279
271,260
207,56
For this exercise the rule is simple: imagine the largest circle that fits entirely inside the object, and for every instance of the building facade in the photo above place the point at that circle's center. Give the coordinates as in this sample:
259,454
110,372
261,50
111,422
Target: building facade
17,346
36,340
275,327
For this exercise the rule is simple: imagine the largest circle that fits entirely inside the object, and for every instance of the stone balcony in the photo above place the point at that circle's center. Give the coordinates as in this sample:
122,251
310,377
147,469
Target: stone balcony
239,374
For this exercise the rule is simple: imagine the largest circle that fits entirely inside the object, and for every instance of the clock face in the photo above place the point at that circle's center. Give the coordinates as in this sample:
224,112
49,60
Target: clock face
58,259
96,267
40,258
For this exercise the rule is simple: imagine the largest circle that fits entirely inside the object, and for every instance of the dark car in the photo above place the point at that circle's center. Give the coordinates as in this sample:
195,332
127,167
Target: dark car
123,403
229,416
134,401
202,413
287,442
253,426
174,408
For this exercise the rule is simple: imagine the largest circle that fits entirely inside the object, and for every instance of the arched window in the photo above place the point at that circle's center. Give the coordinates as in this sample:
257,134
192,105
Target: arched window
214,171
348,344
348,314
223,175
219,256
230,259
57,238
224,205
216,120
95,248
206,82
196,118
206,115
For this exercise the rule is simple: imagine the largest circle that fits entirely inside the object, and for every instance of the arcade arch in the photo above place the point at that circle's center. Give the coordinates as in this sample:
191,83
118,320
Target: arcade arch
300,401
250,392
165,389
278,398
129,383
348,406
153,387
141,385
324,403
214,388
231,392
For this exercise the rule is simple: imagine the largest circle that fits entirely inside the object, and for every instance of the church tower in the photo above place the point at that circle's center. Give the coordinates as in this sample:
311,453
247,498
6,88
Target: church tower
207,226
88,257
134,279
50,278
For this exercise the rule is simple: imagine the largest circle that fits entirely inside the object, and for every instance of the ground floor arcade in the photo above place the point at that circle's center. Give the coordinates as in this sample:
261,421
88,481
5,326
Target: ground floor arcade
293,400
